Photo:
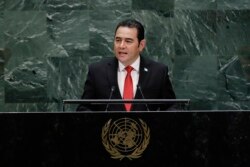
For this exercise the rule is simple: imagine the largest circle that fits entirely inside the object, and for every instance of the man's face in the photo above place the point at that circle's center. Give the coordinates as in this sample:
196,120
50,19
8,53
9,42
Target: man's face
126,45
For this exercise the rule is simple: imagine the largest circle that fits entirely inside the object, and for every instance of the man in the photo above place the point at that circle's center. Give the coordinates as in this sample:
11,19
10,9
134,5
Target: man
108,78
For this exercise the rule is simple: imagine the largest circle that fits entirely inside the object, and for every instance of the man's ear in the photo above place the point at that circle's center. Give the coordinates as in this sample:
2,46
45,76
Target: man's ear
142,44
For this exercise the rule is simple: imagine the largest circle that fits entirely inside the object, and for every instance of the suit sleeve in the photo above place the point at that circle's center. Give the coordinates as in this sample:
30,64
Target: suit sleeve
168,91
89,90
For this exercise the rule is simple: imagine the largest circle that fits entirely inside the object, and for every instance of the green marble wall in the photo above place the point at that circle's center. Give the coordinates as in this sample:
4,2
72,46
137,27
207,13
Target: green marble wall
46,45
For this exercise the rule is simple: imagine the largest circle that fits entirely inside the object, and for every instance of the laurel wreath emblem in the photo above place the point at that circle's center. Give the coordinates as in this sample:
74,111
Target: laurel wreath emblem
115,154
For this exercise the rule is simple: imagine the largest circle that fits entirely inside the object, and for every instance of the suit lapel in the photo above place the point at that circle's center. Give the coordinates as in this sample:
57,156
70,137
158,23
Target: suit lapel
112,67
143,71
112,77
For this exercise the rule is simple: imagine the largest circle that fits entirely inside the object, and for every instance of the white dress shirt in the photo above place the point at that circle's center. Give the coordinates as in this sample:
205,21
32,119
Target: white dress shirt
121,75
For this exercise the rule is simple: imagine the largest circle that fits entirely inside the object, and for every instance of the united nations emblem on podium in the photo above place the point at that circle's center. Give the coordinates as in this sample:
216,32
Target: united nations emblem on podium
125,138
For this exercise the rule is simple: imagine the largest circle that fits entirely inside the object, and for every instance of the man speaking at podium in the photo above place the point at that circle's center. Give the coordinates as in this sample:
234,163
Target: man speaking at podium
128,75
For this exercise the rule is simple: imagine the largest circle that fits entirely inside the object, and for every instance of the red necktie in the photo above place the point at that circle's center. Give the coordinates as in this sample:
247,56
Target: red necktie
128,88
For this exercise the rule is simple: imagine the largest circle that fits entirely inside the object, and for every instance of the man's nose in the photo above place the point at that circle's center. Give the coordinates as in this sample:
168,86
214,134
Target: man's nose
122,44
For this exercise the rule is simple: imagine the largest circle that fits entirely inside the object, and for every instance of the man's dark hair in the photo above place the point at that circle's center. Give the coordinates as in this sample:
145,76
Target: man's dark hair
132,23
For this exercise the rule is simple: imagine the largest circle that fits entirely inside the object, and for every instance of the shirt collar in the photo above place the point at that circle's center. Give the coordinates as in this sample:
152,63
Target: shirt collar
135,65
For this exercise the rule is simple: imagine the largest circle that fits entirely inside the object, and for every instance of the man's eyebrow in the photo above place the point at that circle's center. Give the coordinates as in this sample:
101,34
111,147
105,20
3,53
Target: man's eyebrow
124,38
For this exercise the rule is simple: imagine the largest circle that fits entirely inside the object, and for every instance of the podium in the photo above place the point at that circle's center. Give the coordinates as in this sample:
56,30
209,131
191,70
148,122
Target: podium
170,138
180,104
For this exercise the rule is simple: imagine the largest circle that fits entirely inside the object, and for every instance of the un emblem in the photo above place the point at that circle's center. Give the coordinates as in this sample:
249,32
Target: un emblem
125,138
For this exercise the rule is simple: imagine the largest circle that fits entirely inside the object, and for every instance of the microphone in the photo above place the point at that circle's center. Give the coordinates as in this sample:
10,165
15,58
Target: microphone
110,96
139,87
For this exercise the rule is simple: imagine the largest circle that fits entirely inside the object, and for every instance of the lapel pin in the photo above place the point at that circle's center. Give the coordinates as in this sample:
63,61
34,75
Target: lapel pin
145,69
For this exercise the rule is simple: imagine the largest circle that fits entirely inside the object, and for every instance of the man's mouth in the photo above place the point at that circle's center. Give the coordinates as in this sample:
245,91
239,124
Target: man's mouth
122,53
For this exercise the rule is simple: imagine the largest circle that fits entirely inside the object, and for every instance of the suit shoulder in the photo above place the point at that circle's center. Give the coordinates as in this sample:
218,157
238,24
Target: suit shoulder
101,63
156,64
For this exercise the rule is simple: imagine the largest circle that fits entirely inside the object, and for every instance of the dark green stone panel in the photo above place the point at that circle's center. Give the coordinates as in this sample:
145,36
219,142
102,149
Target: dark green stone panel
232,4
66,77
196,4
110,4
2,61
27,42
195,57
1,30
32,107
44,4
234,74
112,15
153,5
1,5
194,32
233,32
65,5
158,33
24,5
69,31
195,78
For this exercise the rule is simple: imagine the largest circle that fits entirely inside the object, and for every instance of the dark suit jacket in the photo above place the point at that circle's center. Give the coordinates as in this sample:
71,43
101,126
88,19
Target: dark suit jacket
102,76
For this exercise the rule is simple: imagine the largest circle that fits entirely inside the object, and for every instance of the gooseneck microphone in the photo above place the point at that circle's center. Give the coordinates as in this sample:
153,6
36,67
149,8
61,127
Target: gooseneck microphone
139,87
110,96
